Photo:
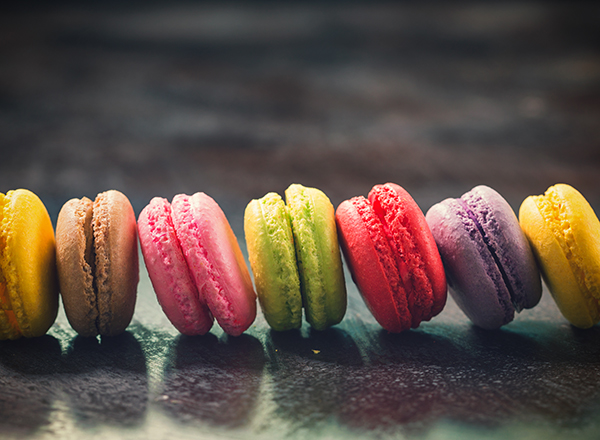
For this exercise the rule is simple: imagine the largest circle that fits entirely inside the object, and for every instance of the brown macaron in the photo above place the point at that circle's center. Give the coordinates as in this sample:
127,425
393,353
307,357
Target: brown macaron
97,261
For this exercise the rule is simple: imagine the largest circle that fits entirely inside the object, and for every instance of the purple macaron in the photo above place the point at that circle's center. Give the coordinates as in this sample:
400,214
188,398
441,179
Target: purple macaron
489,265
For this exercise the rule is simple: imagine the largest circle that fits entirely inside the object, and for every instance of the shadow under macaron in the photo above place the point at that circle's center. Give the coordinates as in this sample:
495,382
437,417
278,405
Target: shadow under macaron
28,383
106,380
460,374
308,373
213,380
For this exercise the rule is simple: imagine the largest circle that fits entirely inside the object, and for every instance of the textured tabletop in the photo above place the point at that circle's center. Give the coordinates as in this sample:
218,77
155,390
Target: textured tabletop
237,99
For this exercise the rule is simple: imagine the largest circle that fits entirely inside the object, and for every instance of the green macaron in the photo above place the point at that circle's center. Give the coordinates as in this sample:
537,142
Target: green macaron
273,260
295,258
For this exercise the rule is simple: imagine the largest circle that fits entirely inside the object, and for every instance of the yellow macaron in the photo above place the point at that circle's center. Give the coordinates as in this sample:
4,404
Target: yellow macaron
28,286
564,232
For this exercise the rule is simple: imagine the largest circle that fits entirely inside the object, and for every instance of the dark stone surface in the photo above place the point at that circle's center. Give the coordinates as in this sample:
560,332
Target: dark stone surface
238,99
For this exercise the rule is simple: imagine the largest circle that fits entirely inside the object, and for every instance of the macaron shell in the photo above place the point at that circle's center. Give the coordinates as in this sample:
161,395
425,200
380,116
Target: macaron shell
564,233
75,264
215,261
511,248
318,255
174,286
424,278
475,282
28,271
372,263
272,256
117,268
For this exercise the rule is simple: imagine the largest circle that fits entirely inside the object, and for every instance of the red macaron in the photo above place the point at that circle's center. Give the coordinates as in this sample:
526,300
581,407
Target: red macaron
392,257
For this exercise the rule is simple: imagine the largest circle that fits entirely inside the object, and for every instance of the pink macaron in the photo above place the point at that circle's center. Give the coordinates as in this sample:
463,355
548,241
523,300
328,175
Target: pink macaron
196,266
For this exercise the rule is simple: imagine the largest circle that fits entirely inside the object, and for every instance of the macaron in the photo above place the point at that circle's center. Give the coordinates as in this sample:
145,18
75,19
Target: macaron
490,267
295,258
564,233
392,257
28,287
196,266
97,262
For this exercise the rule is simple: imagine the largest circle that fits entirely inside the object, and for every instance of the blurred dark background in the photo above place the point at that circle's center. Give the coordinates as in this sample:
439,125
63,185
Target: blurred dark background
240,98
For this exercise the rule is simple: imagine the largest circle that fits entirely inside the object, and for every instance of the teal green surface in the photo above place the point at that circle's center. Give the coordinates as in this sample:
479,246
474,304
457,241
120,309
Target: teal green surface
318,254
537,377
273,260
